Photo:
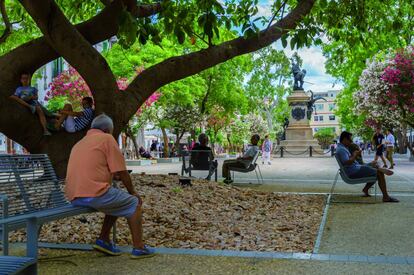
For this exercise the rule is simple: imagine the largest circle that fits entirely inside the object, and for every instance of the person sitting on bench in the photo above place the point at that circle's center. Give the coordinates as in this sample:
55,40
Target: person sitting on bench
355,170
241,162
76,121
92,163
201,159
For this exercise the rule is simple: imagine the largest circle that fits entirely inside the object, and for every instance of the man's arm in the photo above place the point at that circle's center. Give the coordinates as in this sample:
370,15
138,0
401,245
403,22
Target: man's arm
69,113
352,159
127,182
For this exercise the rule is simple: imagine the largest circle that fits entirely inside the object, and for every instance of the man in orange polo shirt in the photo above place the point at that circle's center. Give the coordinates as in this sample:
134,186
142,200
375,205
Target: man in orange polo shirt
92,163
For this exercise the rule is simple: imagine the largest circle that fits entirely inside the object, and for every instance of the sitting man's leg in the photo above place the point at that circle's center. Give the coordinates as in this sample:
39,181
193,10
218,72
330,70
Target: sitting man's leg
118,203
68,120
369,171
62,117
227,167
383,186
213,167
42,119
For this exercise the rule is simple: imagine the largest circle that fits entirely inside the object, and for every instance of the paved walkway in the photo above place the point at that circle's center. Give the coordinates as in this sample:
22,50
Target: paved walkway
356,239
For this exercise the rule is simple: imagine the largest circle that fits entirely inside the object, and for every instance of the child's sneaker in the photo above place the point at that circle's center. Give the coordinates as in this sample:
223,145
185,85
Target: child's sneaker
107,248
147,252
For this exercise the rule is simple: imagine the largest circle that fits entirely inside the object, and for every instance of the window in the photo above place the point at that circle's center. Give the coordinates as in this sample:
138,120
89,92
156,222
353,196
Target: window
320,118
331,117
332,95
316,118
57,66
331,106
319,107
105,46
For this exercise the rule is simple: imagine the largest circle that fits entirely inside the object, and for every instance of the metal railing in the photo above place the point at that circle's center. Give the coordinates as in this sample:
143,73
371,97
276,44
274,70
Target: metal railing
282,150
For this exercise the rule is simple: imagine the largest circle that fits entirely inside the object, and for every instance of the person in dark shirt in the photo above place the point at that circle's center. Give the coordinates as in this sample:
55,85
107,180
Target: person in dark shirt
200,159
378,142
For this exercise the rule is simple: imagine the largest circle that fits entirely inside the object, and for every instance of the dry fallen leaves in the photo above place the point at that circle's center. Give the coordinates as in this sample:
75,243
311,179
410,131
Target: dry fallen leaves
207,216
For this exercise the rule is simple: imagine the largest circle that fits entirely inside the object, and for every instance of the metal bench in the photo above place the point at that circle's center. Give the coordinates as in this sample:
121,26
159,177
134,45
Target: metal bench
17,265
200,160
30,195
252,167
348,180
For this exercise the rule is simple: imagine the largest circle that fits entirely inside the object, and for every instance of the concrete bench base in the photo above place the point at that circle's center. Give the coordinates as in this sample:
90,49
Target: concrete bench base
139,162
168,160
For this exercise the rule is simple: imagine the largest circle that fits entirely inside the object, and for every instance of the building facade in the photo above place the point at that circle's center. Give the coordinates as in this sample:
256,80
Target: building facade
324,113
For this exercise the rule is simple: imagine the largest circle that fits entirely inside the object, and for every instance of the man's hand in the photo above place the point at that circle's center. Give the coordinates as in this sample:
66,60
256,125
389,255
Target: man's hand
355,154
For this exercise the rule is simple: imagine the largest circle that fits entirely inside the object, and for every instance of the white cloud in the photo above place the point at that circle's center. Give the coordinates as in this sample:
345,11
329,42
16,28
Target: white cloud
264,10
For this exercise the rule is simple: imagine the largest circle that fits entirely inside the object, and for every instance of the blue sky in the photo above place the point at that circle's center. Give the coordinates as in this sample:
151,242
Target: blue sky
313,60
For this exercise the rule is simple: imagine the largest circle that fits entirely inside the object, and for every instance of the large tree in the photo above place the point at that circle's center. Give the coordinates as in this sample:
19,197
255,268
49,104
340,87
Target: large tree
128,19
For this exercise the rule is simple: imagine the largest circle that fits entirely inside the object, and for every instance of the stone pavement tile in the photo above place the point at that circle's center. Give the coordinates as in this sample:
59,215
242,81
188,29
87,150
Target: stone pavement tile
320,257
338,258
358,258
396,260
301,256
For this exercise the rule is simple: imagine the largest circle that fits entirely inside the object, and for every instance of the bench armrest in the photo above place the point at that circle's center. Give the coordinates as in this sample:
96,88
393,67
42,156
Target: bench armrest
5,202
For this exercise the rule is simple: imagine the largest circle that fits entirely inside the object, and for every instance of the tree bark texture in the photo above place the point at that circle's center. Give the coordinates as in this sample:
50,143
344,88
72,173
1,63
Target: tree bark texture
74,44
166,150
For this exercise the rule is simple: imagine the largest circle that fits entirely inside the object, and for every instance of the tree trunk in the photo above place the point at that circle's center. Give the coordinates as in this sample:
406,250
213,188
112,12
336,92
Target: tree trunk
177,142
401,141
129,133
165,138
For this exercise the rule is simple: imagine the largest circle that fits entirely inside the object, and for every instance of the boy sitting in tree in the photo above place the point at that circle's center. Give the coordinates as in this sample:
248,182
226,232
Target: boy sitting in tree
26,95
76,121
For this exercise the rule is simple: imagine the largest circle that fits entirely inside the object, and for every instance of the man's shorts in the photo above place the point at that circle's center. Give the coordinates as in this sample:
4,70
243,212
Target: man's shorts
115,202
364,171
69,124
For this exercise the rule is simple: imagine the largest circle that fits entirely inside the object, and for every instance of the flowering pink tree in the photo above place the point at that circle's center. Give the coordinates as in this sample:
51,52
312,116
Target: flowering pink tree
399,77
70,87
386,95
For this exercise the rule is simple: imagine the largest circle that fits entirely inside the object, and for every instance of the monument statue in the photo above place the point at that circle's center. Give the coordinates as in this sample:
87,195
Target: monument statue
311,104
298,75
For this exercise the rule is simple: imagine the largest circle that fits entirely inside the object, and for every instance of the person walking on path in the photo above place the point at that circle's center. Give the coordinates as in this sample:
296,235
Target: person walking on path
378,142
92,163
27,96
266,150
355,170
241,162
389,143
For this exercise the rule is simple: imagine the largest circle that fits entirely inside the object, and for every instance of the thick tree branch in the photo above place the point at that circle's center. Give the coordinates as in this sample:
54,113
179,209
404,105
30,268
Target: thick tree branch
36,53
8,26
71,45
179,67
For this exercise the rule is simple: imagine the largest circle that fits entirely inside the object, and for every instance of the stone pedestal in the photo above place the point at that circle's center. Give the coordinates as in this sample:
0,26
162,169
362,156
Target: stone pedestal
299,134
